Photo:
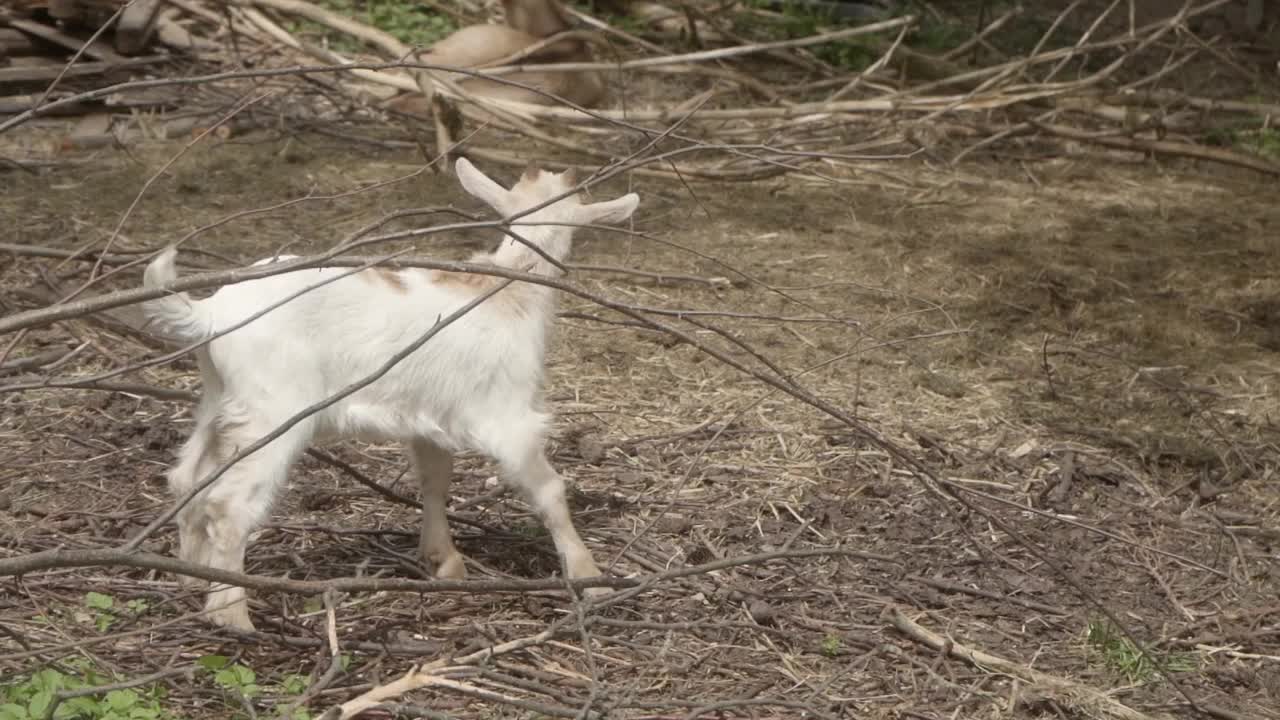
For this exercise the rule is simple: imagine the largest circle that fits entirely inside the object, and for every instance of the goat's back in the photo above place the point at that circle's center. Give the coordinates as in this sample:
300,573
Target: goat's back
478,45
314,345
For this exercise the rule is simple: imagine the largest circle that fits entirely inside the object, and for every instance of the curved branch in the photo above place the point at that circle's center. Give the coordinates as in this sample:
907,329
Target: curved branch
53,559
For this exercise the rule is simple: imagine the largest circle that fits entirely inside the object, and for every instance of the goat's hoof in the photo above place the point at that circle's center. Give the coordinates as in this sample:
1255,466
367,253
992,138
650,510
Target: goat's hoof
235,617
452,567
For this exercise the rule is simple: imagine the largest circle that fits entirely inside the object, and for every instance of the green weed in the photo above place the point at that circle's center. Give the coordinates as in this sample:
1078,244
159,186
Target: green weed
1264,142
1257,141
241,683
32,698
1122,658
101,605
410,23
796,20
531,530
831,645
105,611
235,679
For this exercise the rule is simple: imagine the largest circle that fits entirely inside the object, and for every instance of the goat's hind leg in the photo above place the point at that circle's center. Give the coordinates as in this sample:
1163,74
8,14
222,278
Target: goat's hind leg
237,503
434,467
198,457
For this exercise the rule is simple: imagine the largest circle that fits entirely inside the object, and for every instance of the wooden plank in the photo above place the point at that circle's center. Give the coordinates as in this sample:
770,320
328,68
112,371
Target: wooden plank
175,36
136,25
49,72
66,10
15,104
96,50
15,43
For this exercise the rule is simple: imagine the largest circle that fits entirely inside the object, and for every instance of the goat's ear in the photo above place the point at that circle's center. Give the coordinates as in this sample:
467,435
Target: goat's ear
609,212
481,185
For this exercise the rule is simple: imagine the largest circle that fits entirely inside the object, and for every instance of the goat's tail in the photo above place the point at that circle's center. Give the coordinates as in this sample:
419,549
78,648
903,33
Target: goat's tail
175,316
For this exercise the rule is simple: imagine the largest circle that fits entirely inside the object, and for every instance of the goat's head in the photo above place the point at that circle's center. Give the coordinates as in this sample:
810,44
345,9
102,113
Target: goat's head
537,186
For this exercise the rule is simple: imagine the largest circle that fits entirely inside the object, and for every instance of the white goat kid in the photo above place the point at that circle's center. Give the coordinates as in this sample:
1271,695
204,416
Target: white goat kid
475,385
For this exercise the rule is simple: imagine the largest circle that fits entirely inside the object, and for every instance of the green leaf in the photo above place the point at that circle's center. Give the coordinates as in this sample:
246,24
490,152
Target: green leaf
80,707
50,680
104,621
12,711
225,677
121,699
39,705
98,601
213,662
293,684
236,676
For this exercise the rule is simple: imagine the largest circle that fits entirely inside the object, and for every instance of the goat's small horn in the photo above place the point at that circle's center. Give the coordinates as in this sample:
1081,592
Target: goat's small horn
531,171
570,176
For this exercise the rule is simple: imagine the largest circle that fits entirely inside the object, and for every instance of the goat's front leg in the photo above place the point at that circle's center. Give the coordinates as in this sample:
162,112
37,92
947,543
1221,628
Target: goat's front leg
544,488
434,466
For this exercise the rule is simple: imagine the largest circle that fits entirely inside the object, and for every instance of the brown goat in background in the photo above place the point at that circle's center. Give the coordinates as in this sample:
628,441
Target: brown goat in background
527,22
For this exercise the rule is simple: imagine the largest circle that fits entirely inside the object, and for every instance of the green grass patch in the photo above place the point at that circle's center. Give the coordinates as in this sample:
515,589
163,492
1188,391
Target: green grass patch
410,23
1264,142
1122,658
796,20
31,697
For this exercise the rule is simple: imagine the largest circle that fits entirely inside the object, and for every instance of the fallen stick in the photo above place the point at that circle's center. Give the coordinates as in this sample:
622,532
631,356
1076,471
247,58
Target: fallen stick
112,557
1069,693
97,50
1164,147
136,26
52,71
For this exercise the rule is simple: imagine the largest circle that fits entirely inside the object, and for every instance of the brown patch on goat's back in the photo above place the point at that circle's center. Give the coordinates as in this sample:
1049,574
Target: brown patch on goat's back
517,299
386,276
464,280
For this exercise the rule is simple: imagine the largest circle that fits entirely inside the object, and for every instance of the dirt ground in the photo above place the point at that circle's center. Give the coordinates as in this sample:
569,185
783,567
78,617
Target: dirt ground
1088,346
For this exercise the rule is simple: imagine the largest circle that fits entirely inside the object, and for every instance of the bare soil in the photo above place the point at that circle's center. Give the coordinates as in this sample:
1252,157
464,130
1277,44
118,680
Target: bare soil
1091,346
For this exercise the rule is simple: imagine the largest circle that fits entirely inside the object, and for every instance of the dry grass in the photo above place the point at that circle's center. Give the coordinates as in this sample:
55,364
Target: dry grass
1094,342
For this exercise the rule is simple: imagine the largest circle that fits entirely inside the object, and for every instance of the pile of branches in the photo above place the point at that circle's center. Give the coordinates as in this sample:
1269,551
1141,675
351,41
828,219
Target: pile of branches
773,106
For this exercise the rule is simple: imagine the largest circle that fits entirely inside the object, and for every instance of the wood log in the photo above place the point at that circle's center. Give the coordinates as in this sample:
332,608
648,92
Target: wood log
15,43
97,50
91,131
170,33
136,25
65,10
42,73
15,104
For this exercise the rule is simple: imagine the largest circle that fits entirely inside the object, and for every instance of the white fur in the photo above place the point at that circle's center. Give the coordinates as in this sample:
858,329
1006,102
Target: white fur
475,385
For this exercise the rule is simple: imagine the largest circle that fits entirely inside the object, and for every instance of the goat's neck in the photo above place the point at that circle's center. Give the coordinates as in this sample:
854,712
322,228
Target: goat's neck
554,240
